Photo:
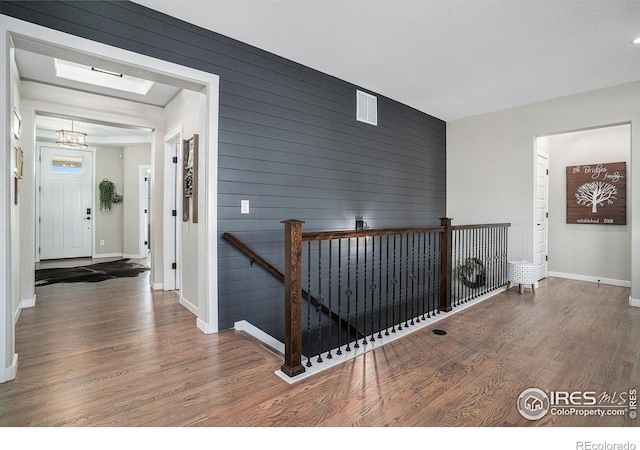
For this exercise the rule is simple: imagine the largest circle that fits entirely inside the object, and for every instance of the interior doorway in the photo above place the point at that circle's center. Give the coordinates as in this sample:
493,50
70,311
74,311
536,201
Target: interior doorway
173,188
19,35
541,240
593,251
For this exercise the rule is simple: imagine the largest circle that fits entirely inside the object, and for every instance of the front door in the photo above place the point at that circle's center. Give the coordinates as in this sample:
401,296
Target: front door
66,207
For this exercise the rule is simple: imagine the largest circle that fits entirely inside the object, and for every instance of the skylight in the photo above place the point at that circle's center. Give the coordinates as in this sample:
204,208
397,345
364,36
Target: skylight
101,77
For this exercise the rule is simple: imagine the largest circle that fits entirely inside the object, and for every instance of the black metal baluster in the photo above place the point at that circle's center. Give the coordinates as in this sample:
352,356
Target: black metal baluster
309,304
339,351
421,279
400,283
505,255
386,308
329,355
380,290
458,267
481,246
470,255
373,286
356,345
320,301
413,275
394,282
476,254
348,294
494,250
439,281
430,279
491,257
406,287
364,296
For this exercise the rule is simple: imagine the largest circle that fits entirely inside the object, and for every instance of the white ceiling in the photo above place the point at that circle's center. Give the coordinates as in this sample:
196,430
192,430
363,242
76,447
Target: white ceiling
450,59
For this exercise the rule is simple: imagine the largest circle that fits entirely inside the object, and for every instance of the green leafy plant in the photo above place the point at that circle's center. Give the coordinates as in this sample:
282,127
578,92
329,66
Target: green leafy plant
108,195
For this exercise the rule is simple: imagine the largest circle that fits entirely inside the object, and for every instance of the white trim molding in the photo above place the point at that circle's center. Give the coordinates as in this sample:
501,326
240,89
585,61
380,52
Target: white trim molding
635,302
11,371
590,279
257,333
190,306
206,328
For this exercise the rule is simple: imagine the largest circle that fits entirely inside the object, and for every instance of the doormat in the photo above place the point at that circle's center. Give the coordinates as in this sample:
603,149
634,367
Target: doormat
89,274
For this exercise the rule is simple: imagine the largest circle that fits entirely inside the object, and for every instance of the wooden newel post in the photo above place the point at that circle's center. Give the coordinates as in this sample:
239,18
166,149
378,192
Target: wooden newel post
292,298
445,265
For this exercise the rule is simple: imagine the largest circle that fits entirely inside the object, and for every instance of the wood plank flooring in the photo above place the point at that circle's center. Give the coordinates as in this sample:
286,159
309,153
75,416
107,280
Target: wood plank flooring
117,354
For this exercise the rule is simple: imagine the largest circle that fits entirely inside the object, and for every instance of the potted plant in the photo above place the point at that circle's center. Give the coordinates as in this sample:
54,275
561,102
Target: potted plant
108,195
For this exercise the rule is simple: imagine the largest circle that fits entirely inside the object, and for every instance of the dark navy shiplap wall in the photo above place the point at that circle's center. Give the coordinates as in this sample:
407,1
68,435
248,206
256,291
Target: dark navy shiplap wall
289,143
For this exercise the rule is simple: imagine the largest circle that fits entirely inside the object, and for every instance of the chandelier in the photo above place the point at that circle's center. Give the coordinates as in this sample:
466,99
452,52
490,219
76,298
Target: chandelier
73,139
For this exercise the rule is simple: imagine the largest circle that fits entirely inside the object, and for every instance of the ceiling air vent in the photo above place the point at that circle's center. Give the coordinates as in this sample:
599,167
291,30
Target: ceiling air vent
367,108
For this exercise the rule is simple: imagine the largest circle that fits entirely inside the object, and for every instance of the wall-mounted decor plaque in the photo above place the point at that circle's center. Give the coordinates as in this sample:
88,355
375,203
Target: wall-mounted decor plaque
597,194
190,178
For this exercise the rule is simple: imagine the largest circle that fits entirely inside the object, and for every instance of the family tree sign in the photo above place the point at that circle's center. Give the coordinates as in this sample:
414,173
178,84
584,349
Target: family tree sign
596,194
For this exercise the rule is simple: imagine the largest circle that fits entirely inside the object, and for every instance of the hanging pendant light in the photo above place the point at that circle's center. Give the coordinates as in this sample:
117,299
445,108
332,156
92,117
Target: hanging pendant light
73,139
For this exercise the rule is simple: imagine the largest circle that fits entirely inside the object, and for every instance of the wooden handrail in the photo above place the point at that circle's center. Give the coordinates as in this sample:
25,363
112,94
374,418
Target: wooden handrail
346,234
254,256
280,276
486,225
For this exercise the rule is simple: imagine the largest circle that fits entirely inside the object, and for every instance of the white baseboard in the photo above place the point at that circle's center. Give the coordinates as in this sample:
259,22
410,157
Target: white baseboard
156,286
634,302
11,371
107,255
272,342
29,302
24,303
190,306
205,328
590,279
132,256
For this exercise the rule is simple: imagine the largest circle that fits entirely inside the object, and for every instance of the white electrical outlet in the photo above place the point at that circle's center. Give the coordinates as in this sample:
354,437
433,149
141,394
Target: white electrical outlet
244,206
101,242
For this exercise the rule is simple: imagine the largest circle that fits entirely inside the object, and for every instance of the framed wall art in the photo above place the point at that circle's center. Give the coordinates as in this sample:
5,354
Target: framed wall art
190,179
597,194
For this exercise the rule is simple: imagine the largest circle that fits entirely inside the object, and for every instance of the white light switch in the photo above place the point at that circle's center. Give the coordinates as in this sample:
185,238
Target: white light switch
244,206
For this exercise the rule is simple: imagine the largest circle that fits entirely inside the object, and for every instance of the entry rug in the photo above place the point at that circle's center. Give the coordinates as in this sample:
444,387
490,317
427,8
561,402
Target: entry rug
89,274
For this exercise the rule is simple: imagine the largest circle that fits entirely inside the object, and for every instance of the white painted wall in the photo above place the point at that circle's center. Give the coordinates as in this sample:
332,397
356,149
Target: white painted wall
491,162
584,251
109,224
16,292
187,109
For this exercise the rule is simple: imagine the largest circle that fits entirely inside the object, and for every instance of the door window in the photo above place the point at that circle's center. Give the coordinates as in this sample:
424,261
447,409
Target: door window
66,164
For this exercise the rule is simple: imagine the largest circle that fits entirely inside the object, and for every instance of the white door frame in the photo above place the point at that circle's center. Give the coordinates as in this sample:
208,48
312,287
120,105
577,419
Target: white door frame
543,221
144,203
207,320
173,202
